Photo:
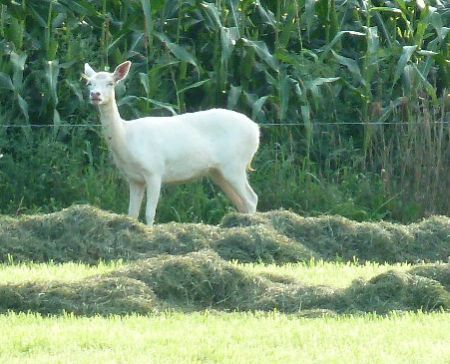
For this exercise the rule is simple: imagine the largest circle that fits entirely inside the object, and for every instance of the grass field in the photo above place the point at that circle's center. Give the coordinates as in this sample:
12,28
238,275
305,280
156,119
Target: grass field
83,285
211,337
338,275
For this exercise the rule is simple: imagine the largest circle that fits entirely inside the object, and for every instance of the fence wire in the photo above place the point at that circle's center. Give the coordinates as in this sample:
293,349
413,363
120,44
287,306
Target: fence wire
262,125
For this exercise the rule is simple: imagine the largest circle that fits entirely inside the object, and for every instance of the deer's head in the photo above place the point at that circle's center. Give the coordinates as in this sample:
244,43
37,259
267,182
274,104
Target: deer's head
101,84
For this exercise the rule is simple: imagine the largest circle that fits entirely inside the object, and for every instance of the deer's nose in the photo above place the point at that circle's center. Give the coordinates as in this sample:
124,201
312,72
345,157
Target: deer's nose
95,94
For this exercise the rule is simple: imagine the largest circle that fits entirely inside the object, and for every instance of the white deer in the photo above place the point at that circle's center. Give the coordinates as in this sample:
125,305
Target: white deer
152,151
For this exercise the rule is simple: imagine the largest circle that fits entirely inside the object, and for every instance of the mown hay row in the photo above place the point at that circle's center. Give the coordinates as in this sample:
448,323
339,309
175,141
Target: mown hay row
332,237
86,234
203,280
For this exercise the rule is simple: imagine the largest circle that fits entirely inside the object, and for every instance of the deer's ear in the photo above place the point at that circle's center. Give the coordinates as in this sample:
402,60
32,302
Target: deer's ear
122,71
88,71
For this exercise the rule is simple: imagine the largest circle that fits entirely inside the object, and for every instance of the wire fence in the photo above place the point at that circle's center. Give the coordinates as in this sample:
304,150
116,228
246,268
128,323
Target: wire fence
262,125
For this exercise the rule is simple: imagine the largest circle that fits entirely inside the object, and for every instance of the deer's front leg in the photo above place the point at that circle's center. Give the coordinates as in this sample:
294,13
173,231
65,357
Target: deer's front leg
137,190
153,191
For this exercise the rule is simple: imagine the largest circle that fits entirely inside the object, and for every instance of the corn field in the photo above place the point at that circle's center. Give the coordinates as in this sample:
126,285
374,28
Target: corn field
352,97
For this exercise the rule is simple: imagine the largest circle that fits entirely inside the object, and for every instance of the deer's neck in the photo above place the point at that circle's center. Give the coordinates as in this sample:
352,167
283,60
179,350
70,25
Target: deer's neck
113,128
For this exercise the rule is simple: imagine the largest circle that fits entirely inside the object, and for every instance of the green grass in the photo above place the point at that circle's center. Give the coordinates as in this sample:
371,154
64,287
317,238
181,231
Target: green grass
338,275
247,291
209,337
42,272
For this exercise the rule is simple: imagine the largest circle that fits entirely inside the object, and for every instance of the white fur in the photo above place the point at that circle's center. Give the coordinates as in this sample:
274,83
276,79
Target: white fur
155,150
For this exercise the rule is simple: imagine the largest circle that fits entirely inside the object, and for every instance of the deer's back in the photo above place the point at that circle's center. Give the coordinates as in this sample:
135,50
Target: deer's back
186,146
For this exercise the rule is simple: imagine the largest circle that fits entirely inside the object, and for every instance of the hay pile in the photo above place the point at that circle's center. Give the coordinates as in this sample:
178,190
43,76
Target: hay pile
186,266
331,237
87,234
203,280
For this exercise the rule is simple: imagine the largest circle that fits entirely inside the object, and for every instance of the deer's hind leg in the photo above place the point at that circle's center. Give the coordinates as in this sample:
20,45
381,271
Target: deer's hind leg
235,185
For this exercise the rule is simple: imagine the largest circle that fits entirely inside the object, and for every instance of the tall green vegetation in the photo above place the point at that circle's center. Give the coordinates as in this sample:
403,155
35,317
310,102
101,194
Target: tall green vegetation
352,98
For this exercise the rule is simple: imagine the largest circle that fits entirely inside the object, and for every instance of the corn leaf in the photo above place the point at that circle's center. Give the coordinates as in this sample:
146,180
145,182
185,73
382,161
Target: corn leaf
5,82
407,52
178,51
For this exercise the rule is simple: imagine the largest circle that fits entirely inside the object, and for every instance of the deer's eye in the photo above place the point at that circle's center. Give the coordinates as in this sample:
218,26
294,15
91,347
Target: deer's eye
110,83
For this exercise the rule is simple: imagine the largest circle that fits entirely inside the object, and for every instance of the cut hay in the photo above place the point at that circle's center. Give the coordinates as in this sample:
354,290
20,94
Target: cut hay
395,291
440,273
335,237
96,296
188,266
86,234
203,280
